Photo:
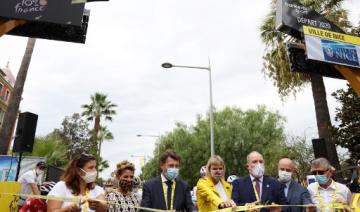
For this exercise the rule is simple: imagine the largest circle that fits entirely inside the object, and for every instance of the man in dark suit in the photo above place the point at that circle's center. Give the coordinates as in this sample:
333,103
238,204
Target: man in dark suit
167,191
294,192
257,188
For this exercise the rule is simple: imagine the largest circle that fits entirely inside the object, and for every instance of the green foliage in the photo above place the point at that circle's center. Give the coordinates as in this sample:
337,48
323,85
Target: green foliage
347,133
276,64
52,147
237,133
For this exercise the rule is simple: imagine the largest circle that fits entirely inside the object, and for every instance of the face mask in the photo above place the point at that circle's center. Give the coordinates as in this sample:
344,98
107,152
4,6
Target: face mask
172,173
125,185
108,189
321,179
258,170
284,176
217,174
89,177
39,171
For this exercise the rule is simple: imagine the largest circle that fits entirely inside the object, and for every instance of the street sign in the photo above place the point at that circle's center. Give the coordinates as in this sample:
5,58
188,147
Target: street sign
332,47
50,11
291,16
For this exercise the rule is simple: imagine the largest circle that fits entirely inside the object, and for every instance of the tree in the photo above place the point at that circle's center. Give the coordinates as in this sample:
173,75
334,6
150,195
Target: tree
99,108
276,66
76,135
14,102
347,132
238,133
52,147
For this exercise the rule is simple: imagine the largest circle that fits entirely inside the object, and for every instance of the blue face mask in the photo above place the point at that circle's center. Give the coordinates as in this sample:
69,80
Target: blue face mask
172,173
321,179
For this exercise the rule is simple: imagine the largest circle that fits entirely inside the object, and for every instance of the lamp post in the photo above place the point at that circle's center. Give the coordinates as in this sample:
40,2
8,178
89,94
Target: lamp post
169,65
158,146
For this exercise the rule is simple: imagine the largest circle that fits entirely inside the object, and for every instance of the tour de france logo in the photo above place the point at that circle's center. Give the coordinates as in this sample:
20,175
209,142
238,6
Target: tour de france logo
30,6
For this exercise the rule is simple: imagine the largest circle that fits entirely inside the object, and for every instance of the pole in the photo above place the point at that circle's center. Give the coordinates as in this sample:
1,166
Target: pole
212,148
18,167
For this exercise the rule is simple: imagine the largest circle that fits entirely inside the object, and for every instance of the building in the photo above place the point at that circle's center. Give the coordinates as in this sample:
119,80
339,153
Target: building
7,82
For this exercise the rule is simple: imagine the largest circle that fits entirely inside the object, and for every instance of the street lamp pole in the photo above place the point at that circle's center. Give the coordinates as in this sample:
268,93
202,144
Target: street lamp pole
169,65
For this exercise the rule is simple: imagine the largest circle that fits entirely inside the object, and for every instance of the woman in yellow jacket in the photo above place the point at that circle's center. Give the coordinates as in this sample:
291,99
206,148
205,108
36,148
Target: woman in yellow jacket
213,192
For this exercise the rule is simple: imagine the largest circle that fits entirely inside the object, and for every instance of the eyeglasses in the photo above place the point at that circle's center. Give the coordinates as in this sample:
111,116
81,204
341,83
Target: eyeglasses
319,172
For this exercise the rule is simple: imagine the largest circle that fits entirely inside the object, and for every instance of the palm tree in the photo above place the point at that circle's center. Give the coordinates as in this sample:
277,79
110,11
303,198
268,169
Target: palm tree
99,108
276,66
104,135
14,102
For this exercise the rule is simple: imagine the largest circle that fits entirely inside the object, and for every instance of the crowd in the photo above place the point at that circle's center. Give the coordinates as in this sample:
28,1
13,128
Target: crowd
168,192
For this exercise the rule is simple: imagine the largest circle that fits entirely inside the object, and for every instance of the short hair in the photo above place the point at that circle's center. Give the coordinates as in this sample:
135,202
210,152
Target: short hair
169,154
321,162
248,156
214,160
124,165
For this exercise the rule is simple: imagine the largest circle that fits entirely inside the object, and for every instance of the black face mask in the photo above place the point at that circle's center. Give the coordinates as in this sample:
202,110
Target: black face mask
125,185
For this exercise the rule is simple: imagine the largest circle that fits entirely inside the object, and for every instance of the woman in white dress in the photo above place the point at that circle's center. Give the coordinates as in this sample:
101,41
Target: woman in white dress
79,181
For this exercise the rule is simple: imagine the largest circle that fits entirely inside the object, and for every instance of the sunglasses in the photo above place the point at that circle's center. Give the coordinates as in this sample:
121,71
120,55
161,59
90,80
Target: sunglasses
319,172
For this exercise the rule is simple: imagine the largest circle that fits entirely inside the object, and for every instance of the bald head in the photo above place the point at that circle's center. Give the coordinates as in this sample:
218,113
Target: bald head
285,164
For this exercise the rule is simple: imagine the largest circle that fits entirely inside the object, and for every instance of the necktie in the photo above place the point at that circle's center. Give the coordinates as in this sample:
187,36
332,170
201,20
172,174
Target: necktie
169,191
257,186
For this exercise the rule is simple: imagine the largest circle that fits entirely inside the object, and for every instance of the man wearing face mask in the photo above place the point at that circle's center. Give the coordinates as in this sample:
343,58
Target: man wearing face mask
325,190
167,191
257,188
30,180
294,192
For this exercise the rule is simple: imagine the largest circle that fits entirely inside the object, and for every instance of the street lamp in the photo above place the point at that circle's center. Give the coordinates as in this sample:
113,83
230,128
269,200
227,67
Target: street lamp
169,65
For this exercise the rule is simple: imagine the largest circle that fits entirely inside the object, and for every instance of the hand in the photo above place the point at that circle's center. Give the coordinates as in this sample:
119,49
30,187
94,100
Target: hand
228,204
274,209
73,208
340,200
97,205
252,204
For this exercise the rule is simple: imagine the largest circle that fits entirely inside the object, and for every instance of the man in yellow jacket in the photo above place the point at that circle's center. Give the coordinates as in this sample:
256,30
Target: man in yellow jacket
213,192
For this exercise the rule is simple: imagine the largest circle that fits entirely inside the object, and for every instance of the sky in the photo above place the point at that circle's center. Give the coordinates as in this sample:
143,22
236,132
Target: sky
127,41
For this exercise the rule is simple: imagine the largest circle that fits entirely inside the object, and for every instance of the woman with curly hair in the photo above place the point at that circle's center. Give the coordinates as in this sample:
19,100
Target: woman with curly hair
123,199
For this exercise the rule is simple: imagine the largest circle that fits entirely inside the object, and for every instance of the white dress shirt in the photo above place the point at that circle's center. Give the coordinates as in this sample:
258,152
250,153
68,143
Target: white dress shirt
260,182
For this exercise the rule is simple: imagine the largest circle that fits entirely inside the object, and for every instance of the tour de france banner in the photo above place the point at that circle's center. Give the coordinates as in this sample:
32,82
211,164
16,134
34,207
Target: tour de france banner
332,47
53,11
8,166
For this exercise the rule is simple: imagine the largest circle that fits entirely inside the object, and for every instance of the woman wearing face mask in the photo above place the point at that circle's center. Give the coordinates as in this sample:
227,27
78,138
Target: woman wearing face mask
123,199
78,180
213,192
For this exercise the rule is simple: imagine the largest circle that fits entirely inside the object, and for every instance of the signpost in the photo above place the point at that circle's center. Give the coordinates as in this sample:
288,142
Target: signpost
291,16
332,47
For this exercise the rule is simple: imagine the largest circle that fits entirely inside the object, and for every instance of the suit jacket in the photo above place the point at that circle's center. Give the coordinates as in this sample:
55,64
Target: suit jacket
272,191
297,195
153,195
208,198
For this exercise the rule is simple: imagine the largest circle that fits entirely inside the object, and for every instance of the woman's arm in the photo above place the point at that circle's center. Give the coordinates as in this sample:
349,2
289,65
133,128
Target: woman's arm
98,204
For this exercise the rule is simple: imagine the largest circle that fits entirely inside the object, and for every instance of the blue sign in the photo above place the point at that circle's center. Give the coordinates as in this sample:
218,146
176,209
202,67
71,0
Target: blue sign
341,53
8,167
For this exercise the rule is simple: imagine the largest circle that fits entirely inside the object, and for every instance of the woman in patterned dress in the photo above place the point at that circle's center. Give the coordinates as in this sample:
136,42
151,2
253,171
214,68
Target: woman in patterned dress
123,199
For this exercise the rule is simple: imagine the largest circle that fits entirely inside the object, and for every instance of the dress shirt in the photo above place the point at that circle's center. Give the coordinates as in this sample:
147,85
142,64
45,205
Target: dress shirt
260,182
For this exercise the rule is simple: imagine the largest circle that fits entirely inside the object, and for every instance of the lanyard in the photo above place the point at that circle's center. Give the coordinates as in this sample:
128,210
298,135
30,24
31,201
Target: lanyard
172,195
256,193
320,199
86,204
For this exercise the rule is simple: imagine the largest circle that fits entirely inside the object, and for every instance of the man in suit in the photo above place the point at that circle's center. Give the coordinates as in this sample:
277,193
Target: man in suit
294,192
257,188
167,191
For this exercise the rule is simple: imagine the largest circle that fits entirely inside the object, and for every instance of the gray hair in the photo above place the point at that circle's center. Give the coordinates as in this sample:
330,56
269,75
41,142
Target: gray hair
323,162
248,156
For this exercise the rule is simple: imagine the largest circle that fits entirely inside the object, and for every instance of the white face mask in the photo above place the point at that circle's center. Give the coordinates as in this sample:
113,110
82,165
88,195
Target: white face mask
89,177
39,171
284,176
258,170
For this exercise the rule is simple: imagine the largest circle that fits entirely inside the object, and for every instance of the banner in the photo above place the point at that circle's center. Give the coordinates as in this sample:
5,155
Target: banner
332,47
8,166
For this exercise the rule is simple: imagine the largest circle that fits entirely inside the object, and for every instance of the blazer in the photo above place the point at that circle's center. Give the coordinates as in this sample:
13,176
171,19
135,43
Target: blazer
153,195
272,192
297,195
208,198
